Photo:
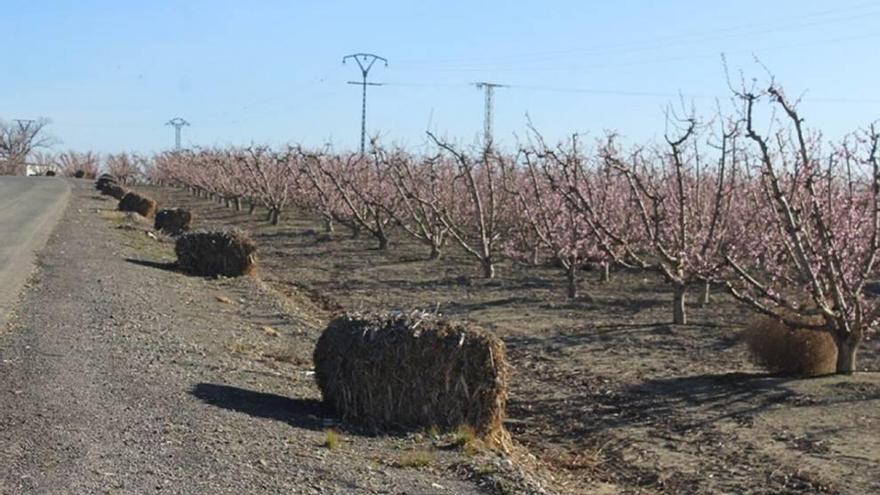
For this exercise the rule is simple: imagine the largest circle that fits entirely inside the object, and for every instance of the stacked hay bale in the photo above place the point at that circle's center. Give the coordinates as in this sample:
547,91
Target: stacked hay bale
114,191
108,186
221,253
138,203
414,370
103,181
173,221
790,351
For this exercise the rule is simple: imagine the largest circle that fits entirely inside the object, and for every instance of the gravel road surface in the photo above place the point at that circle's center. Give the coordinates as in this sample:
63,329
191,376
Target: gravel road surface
29,209
120,375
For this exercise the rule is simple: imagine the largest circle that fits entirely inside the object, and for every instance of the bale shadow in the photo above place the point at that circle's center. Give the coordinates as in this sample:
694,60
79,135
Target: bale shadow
170,266
310,414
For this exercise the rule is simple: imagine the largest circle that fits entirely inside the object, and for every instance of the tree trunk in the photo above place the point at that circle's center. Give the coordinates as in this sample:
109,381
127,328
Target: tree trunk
274,215
488,268
328,225
435,252
355,231
846,355
606,272
383,241
707,293
252,208
571,279
237,203
679,317
536,256
269,214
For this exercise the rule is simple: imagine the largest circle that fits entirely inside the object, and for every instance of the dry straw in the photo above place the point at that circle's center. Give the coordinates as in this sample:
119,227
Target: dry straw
790,351
221,253
414,370
114,190
103,181
173,221
138,203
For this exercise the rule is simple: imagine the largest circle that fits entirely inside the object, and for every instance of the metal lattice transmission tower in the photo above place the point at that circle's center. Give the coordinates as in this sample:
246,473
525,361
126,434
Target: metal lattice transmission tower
488,110
178,124
365,61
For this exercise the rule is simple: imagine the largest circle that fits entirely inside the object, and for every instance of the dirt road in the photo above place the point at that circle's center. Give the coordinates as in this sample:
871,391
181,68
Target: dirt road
29,209
122,376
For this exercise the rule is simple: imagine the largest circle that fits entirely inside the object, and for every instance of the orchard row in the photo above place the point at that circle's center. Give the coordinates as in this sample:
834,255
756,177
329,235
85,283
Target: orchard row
783,220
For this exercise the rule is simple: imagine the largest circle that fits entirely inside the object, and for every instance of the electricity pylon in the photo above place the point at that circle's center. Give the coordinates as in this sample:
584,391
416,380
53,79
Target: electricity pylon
365,61
178,123
488,110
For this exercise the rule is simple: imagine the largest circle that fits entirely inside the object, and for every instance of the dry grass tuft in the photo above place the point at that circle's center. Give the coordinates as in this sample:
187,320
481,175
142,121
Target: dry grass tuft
415,459
138,203
332,439
790,351
173,221
414,371
220,253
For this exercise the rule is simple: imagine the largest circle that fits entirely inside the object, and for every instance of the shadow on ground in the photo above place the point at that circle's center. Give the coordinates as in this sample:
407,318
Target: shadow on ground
301,413
170,266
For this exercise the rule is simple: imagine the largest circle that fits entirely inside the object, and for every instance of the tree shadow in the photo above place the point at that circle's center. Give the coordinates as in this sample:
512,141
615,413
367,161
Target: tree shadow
170,266
676,405
310,414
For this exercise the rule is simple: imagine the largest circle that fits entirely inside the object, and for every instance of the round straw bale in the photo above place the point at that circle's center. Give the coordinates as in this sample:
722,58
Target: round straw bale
50,173
138,203
790,351
104,181
114,190
173,221
79,174
227,253
413,370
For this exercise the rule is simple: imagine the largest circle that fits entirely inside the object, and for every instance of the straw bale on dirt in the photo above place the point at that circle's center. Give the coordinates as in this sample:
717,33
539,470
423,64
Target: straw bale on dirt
103,181
138,203
173,221
221,253
790,351
414,370
114,190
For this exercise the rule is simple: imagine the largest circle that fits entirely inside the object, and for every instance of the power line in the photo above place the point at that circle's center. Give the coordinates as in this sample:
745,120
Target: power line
365,61
650,44
637,63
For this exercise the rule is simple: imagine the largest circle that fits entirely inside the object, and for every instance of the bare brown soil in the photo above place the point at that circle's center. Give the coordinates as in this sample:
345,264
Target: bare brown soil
606,394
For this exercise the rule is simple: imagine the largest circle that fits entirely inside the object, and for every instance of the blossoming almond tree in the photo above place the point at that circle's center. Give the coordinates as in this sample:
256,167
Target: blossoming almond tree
423,184
363,184
825,221
546,220
474,213
683,206
270,174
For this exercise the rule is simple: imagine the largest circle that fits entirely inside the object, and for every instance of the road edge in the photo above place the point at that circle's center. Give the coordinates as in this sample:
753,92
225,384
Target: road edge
23,262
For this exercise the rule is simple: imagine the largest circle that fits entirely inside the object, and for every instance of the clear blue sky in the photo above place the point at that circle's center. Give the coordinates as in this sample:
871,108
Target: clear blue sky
110,73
